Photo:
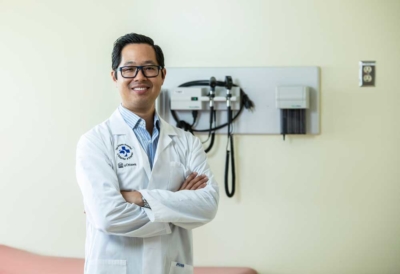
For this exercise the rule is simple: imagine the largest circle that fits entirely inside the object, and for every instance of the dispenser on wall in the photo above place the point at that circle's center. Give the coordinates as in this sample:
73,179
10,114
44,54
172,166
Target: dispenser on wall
293,102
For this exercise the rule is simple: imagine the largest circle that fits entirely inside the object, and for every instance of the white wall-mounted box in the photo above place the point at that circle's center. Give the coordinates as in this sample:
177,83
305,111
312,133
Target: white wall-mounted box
292,97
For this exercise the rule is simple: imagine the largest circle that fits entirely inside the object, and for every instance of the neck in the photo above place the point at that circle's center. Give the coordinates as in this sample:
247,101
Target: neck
147,115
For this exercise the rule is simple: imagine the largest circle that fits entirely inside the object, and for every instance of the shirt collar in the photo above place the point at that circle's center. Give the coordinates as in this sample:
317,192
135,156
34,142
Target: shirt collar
134,121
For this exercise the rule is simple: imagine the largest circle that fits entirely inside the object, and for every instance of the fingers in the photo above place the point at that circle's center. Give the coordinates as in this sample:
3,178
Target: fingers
200,184
194,182
188,179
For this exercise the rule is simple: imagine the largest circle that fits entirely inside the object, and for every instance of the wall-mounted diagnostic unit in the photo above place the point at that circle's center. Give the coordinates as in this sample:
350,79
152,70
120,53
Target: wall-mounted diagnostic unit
258,83
264,100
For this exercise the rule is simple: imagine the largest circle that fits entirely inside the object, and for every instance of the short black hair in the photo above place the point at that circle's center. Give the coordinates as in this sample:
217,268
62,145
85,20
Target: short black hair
134,38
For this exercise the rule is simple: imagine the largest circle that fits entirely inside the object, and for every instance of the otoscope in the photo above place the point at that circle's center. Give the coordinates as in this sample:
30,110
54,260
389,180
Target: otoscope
229,144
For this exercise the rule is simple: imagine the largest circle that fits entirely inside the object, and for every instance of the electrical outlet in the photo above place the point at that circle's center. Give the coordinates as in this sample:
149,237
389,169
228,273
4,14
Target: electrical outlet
367,73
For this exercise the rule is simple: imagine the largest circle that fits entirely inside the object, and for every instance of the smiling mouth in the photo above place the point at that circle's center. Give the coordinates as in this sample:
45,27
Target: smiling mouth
141,88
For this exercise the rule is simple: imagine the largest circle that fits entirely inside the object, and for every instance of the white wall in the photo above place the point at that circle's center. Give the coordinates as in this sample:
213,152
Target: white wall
325,204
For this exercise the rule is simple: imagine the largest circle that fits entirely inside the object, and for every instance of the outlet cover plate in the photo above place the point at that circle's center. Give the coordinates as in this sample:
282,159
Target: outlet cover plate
367,73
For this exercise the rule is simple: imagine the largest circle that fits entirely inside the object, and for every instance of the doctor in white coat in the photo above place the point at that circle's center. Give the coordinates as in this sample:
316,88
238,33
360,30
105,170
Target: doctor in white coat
145,183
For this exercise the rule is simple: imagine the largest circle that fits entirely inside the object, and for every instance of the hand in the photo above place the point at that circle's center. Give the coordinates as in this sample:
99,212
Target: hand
194,182
133,197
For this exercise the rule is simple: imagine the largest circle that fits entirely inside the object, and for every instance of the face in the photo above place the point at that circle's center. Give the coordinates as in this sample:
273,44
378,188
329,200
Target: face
138,94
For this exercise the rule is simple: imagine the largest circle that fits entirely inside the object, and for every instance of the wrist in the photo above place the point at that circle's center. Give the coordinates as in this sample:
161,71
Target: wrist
135,197
139,199
145,203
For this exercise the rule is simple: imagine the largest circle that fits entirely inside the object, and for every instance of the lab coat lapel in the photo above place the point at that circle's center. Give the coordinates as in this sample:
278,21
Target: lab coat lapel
143,155
119,126
167,131
144,159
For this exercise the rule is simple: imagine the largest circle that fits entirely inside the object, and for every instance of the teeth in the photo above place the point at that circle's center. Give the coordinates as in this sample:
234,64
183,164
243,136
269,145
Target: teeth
139,88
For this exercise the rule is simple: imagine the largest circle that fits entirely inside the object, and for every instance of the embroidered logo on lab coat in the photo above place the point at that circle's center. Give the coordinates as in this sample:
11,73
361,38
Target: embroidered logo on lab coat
124,152
122,165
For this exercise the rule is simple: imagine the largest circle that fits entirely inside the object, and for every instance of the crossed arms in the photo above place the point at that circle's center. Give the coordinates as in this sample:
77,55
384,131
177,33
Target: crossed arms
192,182
120,213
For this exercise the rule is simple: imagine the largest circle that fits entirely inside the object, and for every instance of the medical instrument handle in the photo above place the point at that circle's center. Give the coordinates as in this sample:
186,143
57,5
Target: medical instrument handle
211,132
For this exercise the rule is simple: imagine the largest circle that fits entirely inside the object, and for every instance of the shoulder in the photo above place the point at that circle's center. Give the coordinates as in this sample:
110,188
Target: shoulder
99,134
177,132
184,139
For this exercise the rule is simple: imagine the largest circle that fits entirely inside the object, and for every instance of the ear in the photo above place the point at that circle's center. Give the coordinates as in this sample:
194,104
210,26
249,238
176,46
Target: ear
164,73
114,76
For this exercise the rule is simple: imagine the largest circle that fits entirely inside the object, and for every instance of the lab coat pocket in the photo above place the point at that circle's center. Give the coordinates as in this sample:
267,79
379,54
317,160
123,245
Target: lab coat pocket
177,175
178,268
106,267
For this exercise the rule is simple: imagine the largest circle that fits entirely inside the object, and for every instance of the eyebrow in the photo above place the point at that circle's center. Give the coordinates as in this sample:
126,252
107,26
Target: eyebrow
149,62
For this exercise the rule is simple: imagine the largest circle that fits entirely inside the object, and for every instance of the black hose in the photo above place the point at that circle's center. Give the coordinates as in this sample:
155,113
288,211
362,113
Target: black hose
230,156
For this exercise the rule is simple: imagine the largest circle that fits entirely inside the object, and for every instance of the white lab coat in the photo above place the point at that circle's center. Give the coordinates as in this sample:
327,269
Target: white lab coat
123,238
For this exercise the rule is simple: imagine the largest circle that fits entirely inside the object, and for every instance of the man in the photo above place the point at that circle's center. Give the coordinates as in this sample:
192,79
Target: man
145,183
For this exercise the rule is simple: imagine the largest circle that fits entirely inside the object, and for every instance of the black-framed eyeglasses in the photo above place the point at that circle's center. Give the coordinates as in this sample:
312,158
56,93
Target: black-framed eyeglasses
149,71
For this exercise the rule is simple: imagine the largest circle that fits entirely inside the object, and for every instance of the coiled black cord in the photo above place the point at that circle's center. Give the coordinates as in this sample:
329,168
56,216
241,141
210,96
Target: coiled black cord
230,157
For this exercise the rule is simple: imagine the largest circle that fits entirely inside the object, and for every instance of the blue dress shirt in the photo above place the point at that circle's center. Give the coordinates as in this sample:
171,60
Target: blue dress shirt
148,143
